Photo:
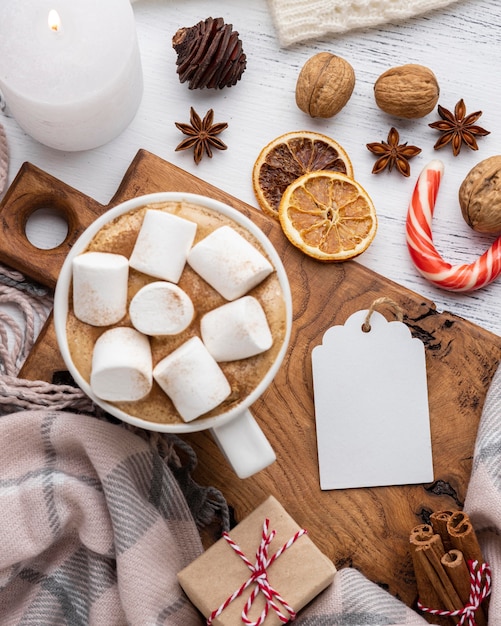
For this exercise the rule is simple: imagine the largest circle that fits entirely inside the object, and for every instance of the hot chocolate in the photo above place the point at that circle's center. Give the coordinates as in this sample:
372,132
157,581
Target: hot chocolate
243,375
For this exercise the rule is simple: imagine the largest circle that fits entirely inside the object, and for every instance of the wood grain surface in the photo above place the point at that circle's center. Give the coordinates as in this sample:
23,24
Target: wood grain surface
363,528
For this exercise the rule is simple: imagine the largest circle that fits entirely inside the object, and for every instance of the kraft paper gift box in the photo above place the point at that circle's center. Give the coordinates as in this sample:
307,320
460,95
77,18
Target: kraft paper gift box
299,573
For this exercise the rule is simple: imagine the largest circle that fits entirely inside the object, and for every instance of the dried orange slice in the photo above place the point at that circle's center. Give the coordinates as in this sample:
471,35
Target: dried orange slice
290,156
328,215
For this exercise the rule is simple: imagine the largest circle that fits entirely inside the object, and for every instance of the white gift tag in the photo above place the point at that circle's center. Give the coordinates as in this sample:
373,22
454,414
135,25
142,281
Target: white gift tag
371,405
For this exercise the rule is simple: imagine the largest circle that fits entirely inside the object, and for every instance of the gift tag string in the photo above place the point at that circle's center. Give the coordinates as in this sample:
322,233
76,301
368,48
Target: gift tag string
366,326
259,577
480,588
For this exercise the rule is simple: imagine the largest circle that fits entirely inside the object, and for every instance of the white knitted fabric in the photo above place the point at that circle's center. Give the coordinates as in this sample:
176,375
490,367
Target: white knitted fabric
300,20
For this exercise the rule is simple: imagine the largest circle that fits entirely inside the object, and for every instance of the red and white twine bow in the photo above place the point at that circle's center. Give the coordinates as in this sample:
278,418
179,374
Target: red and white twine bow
259,577
480,581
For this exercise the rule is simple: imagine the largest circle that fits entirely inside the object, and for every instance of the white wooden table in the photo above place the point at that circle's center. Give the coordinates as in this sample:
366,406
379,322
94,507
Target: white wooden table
460,44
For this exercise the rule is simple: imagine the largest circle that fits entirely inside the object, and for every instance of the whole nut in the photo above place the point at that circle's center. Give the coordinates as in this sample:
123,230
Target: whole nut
407,91
480,196
324,85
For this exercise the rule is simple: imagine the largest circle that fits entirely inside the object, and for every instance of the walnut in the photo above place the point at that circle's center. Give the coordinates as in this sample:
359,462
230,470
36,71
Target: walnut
407,91
480,196
324,85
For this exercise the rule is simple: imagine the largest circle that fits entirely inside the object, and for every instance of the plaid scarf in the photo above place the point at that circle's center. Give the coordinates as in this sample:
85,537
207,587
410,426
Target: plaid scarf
94,524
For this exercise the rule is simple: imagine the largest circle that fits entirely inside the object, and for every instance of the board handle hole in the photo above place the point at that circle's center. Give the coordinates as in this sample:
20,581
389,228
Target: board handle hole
46,228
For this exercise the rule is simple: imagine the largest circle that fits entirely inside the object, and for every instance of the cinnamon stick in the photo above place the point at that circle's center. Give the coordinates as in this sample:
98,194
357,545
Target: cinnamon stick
463,537
439,522
421,532
434,586
457,569
426,591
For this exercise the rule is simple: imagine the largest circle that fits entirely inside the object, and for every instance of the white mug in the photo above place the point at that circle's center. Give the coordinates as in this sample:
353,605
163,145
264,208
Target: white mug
235,430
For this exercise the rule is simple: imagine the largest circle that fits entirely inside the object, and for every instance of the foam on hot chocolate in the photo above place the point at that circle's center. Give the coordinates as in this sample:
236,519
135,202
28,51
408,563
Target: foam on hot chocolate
119,237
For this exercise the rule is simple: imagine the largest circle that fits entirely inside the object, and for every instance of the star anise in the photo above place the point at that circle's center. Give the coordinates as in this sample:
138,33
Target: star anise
201,134
458,128
392,153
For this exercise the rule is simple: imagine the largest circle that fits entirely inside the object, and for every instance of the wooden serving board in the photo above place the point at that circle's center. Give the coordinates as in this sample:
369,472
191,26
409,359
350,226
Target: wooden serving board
364,528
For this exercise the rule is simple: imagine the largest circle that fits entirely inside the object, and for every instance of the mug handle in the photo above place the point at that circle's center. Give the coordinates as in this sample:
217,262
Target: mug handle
244,445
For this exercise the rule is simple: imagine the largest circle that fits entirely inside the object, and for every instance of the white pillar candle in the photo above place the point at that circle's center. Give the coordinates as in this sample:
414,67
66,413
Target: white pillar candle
70,70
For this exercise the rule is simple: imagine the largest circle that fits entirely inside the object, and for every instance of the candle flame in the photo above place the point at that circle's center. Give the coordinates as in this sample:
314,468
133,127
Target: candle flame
54,20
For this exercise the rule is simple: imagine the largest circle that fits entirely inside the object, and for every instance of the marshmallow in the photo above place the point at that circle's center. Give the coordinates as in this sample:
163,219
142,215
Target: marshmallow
192,379
100,287
236,330
162,245
161,308
121,365
229,263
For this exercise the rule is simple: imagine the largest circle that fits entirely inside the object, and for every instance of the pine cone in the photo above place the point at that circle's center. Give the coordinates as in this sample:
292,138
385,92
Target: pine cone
209,54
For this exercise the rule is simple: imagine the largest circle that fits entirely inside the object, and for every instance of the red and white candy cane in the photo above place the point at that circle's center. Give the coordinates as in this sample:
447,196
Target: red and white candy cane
423,253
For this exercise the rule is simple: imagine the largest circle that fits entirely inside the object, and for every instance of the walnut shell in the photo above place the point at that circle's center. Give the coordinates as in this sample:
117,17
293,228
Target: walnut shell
324,85
408,91
480,196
